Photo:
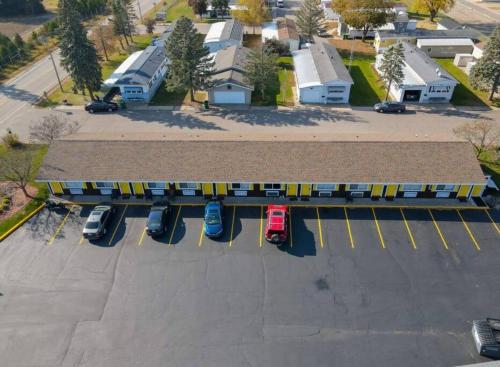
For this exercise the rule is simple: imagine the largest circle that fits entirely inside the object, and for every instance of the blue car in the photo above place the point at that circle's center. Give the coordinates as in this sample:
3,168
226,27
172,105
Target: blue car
213,219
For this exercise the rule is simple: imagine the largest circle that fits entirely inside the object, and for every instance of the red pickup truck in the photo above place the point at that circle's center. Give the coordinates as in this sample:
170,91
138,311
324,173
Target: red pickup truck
277,224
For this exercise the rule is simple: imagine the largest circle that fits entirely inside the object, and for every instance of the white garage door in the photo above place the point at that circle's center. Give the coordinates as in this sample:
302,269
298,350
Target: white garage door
311,96
233,97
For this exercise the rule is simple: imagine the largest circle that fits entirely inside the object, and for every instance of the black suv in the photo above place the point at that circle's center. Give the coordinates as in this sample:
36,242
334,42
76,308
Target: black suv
157,220
390,107
101,106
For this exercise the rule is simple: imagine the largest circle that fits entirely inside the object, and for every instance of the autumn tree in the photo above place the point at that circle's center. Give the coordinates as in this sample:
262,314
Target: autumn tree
486,73
251,13
364,14
434,6
16,166
482,134
102,36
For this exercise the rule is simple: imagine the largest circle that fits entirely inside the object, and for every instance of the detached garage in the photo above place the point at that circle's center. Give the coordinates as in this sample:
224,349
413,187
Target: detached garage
229,77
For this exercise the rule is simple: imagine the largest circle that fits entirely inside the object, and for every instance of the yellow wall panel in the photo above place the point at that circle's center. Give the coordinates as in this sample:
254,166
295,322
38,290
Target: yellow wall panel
292,189
124,188
93,185
208,189
221,189
377,190
305,189
463,191
56,187
138,188
477,190
391,190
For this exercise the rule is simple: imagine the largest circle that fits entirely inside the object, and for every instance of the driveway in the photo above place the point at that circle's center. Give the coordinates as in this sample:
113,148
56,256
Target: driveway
351,287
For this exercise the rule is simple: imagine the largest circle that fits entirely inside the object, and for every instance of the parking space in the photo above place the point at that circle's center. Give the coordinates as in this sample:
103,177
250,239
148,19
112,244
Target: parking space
398,280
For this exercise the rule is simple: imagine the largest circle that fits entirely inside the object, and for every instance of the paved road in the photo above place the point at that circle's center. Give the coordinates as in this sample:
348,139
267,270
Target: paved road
475,15
17,94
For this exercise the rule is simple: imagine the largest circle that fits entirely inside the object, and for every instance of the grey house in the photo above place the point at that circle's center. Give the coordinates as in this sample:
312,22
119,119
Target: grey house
229,77
224,34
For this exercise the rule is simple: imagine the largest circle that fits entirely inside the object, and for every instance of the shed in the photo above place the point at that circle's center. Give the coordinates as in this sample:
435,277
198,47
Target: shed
224,34
443,47
284,30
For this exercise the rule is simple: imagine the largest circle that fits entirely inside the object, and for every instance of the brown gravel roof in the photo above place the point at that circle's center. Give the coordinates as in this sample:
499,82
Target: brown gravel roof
287,29
258,161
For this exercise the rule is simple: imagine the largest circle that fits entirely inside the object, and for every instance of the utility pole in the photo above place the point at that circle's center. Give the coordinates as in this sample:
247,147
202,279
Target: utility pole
352,54
140,11
55,69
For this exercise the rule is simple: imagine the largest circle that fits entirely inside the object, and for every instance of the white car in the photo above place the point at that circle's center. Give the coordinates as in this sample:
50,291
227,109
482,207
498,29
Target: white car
98,220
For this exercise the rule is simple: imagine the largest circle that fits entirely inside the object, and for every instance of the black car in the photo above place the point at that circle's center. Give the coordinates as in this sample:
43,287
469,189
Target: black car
390,107
157,220
101,106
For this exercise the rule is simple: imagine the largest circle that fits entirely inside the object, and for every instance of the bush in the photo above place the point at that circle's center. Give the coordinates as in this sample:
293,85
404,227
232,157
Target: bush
4,204
11,140
278,47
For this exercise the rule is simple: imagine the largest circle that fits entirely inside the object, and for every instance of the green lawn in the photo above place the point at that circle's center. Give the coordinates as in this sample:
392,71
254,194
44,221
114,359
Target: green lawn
174,8
39,152
491,165
367,89
56,96
464,94
166,98
287,82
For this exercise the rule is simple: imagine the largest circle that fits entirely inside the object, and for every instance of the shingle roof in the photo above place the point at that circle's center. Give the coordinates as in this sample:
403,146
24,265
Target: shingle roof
449,23
259,161
144,67
287,29
423,65
431,33
319,64
223,31
230,65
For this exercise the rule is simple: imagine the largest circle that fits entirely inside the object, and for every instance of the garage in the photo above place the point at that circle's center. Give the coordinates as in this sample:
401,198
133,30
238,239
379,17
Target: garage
412,95
229,97
311,95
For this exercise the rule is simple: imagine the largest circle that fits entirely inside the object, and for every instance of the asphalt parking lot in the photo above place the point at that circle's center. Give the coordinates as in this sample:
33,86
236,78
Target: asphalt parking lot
351,287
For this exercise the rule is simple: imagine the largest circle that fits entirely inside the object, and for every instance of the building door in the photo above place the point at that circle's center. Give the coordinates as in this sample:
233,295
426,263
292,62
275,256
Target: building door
412,95
232,97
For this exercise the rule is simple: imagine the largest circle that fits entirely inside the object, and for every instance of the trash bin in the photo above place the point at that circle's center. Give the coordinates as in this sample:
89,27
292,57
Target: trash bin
205,104
123,105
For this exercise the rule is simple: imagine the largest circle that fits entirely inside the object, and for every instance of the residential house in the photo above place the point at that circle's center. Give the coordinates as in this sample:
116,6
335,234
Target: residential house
282,29
229,77
321,75
375,170
425,81
224,34
445,47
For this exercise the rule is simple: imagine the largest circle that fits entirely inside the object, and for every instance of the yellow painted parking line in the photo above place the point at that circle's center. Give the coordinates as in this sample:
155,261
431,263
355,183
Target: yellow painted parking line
175,226
407,225
201,233
261,224
382,243
81,240
232,228
476,245
117,226
492,221
319,229
142,236
53,238
438,230
348,227
291,236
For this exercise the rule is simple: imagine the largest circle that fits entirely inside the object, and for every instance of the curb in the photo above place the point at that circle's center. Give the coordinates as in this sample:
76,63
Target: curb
21,222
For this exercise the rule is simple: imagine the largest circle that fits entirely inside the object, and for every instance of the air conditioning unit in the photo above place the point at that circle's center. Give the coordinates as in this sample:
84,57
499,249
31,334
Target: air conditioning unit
357,194
240,193
325,194
273,194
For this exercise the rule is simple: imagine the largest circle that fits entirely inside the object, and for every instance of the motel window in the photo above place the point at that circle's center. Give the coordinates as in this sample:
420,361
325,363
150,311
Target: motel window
360,187
187,185
325,186
272,186
104,185
412,187
240,186
156,185
445,187
439,88
74,185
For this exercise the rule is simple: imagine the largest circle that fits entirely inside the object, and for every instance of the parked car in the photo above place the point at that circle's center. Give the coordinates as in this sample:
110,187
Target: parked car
277,224
486,334
101,106
97,222
280,3
213,219
156,224
390,107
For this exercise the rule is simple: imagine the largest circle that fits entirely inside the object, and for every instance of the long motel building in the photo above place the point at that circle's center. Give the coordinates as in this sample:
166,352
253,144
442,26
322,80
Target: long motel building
152,169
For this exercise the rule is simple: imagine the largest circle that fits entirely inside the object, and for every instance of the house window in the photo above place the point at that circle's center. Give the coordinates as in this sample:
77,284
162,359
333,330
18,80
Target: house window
412,187
74,185
325,187
439,88
272,186
240,186
156,185
445,187
104,185
359,187
187,185
336,89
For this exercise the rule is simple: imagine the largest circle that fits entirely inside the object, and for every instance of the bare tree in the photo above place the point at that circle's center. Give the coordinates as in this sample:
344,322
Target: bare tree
52,127
17,167
482,134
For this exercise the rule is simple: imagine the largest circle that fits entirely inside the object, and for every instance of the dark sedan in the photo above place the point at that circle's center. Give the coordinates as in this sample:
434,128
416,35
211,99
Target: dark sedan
157,221
390,107
101,106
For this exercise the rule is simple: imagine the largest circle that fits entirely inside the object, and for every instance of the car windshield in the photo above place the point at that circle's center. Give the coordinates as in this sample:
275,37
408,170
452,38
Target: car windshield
212,218
154,217
92,225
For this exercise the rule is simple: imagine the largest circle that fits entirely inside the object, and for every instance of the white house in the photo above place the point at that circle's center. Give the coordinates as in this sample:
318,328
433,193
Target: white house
224,34
445,47
321,75
141,74
282,29
424,80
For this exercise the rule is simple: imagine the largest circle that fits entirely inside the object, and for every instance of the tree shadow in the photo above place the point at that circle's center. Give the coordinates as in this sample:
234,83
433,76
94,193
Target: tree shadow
11,92
172,119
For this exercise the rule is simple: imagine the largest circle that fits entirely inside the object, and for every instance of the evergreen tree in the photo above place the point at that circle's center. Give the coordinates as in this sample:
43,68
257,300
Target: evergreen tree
190,63
130,17
486,73
261,70
310,19
120,20
391,67
199,6
220,6
20,45
21,7
78,55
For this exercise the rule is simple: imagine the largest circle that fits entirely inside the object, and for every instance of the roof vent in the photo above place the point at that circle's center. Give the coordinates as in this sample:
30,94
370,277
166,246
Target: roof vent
438,72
